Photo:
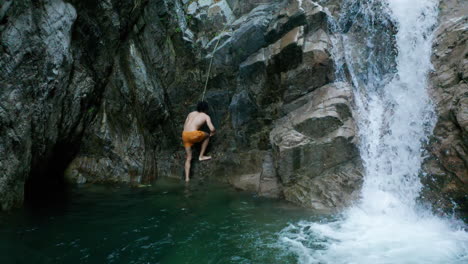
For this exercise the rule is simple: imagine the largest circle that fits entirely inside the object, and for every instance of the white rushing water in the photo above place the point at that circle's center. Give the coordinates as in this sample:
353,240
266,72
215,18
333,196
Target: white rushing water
395,118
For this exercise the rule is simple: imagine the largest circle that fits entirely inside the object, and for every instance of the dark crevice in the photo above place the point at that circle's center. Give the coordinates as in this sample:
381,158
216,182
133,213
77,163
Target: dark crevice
46,184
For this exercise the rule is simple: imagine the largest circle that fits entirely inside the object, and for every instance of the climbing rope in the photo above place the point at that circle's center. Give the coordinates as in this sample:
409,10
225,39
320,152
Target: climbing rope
211,62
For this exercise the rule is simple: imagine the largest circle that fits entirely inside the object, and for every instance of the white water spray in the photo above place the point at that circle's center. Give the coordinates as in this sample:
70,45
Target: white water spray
395,118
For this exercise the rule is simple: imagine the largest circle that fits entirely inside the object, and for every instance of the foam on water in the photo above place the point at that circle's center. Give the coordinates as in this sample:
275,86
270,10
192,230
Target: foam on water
395,117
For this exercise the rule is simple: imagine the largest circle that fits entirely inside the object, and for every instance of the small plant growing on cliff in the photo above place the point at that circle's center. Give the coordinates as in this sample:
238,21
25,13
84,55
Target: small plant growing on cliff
91,110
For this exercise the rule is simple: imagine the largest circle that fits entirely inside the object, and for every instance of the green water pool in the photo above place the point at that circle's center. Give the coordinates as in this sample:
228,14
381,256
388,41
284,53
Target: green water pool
169,222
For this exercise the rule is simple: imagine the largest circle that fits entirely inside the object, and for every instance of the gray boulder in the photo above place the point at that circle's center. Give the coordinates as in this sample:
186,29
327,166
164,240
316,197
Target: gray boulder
315,148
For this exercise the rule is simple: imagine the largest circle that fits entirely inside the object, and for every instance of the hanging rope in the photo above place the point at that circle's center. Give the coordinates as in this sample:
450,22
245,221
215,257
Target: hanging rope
211,63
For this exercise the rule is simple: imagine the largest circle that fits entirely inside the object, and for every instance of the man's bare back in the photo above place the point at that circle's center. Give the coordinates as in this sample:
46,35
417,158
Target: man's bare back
195,120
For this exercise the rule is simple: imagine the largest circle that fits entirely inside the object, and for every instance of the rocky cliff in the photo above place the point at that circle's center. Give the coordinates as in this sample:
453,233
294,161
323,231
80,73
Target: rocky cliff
97,91
100,89
447,164
56,61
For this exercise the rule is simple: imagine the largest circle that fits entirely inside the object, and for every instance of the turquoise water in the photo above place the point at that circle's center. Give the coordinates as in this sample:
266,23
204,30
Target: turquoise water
168,223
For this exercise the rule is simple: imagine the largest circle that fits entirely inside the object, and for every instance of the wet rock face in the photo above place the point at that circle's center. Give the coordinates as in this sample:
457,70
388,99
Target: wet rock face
316,154
36,58
447,167
54,62
99,91
120,143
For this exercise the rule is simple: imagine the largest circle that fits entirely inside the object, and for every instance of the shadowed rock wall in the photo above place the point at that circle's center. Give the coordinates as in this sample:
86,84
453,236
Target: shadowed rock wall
56,59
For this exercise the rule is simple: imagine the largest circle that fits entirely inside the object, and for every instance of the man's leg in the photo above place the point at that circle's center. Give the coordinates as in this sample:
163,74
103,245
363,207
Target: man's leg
203,148
187,163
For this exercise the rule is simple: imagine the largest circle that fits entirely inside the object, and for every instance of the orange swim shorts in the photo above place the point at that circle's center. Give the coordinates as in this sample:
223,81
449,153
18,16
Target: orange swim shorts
191,137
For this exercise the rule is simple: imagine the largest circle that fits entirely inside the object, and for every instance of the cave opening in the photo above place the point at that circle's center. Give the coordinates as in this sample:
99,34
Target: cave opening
46,185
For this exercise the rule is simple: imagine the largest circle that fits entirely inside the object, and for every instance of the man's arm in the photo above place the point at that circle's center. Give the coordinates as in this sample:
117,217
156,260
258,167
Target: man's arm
210,125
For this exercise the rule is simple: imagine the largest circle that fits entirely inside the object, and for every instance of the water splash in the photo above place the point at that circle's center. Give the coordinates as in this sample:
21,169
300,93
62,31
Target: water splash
386,50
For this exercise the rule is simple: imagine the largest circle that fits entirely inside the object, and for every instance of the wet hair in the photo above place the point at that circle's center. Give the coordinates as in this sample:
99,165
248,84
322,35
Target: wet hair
202,107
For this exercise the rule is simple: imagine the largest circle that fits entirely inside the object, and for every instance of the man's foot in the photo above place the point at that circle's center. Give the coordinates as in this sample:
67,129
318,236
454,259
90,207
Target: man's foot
187,179
202,158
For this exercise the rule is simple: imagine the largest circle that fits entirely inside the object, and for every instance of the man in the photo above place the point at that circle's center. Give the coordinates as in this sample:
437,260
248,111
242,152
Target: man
192,134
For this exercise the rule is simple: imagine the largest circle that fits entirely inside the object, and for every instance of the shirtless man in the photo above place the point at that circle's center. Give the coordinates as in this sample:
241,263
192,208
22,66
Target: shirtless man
192,134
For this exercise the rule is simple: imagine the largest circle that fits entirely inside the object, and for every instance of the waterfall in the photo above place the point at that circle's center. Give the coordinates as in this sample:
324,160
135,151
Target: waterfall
386,50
